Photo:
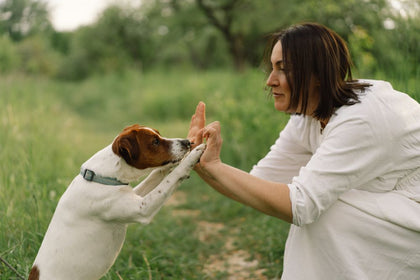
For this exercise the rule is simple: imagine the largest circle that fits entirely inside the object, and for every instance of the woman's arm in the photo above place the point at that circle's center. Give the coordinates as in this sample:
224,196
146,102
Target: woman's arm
268,197
265,196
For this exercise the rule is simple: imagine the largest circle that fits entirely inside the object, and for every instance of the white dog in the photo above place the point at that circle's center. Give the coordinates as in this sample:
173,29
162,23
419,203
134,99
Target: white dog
89,225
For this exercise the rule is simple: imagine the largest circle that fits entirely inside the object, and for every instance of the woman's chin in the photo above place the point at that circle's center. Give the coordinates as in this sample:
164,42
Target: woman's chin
280,107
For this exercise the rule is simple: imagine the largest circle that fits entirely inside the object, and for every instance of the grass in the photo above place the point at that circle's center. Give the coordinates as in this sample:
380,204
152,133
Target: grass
49,128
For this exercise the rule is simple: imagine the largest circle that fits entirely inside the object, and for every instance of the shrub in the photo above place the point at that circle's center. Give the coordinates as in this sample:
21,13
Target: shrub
37,57
9,58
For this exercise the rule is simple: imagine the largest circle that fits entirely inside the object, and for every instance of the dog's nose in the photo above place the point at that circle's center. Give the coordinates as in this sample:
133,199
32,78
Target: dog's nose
186,143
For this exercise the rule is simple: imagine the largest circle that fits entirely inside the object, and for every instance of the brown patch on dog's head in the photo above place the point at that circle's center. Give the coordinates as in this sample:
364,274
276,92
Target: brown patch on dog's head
34,274
143,147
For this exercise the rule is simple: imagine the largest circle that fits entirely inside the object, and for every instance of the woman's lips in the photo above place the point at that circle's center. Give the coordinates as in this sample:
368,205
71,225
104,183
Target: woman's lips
276,94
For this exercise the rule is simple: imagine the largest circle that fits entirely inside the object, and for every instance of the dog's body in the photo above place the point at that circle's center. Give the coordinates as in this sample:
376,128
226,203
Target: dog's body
89,225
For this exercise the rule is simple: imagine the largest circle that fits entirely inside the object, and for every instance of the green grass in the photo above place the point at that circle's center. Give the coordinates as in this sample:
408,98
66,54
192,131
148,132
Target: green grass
49,128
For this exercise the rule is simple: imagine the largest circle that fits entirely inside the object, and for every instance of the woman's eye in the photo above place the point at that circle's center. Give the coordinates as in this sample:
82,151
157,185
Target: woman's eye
277,68
280,69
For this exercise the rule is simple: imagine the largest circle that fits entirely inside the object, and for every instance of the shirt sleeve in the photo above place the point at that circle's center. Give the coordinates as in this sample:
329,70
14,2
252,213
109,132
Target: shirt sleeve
352,153
285,157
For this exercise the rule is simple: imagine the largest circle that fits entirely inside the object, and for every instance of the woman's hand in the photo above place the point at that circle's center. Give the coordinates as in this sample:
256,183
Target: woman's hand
214,141
198,121
198,131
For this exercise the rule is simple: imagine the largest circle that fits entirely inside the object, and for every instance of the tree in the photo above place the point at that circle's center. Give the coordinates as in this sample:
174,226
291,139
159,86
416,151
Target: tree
209,34
119,39
244,22
21,18
221,16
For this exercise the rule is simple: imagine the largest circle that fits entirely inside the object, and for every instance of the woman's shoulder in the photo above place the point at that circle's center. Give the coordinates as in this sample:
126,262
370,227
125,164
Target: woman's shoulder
374,84
380,107
382,90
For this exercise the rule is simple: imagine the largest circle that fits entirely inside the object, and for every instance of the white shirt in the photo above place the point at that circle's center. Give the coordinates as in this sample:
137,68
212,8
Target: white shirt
354,188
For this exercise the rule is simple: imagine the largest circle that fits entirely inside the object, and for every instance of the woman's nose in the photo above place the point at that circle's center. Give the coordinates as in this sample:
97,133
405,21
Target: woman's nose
272,81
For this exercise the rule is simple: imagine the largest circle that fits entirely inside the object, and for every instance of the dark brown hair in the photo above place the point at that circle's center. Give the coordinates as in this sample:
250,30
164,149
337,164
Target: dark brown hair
311,50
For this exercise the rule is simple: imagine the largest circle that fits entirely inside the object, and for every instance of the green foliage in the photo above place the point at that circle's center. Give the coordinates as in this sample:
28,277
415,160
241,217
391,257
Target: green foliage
9,57
37,57
118,40
60,41
174,34
34,166
361,45
401,58
22,18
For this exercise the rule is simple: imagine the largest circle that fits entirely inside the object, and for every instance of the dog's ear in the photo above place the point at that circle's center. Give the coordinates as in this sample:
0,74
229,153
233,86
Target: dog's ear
127,147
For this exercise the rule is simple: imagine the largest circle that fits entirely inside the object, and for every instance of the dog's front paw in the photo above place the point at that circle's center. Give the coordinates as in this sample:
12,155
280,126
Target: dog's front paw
199,149
194,156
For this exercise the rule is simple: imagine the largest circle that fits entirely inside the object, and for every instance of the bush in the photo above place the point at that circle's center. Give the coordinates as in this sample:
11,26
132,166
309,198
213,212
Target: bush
9,58
37,57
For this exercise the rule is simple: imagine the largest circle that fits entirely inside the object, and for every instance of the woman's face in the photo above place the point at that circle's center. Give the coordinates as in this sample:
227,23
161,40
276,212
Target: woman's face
277,80
280,87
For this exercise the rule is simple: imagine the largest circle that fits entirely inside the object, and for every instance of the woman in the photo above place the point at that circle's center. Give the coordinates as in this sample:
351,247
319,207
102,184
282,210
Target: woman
345,171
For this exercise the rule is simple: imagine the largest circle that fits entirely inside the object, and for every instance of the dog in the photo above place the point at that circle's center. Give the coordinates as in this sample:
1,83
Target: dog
89,225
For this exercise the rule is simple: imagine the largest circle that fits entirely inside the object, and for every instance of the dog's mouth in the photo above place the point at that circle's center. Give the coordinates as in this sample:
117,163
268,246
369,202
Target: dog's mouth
177,160
186,148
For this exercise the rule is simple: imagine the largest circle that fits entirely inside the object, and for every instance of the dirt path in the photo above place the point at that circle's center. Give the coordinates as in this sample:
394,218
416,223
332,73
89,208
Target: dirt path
231,261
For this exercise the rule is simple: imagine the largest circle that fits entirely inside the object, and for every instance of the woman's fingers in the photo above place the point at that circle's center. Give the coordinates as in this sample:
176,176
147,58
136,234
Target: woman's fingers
198,121
212,131
212,134
200,114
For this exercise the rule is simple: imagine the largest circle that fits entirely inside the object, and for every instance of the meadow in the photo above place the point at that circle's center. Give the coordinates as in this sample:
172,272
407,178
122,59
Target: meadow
49,128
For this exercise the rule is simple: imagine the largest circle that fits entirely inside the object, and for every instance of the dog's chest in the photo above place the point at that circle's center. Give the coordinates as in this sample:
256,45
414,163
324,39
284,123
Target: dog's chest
91,246
78,232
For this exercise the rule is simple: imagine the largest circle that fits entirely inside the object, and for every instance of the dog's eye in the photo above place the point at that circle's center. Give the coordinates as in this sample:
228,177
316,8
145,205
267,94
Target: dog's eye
156,141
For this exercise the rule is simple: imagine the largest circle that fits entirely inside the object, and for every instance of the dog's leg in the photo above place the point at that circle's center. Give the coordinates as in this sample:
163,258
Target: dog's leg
151,181
154,200
128,207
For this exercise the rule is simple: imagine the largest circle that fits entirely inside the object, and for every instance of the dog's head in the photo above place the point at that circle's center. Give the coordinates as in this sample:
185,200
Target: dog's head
143,147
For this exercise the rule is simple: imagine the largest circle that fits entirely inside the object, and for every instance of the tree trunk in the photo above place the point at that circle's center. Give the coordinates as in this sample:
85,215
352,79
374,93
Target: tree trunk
234,41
